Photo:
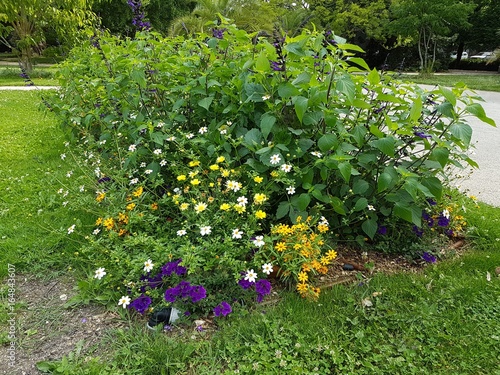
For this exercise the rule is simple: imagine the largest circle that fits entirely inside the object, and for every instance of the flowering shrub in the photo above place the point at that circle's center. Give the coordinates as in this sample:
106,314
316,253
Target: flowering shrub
198,146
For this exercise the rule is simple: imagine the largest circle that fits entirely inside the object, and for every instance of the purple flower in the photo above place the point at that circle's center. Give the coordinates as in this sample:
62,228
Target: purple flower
418,231
173,267
198,293
428,218
429,258
245,284
432,202
443,221
421,134
263,287
184,288
141,304
218,33
449,232
199,328
171,294
278,66
222,309
382,230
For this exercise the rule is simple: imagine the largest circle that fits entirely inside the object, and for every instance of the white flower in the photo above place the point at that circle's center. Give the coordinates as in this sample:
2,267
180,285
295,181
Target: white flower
242,201
148,171
65,203
259,241
160,125
102,142
69,174
82,188
223,131
267,268
124,301
205,230
97,172
237,234
200,207
132,148
65,193
71,229
275,159
286,168
290,190
266,97
134,181
181,232
371,208
189,136
60,191
158,151
323,221
251,275
148,265
63,297
317,154
66,144
99,273
171,139
203,130
96,231
446,214
163,162
142,165
63,156
233,185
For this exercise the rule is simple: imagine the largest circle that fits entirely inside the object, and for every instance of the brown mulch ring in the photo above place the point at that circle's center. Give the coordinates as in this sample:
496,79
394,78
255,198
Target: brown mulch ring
47,331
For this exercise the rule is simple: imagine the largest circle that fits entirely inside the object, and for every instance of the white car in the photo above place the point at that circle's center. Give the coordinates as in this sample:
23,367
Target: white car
482,55
465,55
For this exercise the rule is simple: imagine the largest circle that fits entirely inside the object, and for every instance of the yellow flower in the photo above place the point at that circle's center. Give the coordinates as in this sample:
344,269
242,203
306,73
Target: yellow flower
130,206
123,218
225,207
194,163
200,207
182,177
122,232
220,159
258,179
184,206
302,276
192,174
297,246
331,254
260,214
154,206
98,221
325,261
239,209
109,223
259,198
210,199
302,287
214,167
225,173
280,246
195,182
306,267
274,174
322,228
138,192
100,197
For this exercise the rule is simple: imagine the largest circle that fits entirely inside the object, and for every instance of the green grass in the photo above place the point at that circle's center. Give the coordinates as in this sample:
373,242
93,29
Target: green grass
10,76
444,320
487,82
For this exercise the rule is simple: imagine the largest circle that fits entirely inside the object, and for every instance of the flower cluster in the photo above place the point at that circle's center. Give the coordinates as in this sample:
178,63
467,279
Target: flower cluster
447,220
262,286
138,18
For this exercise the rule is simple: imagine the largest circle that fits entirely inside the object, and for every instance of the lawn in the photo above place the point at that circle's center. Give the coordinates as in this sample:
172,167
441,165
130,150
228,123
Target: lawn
442,319
488,82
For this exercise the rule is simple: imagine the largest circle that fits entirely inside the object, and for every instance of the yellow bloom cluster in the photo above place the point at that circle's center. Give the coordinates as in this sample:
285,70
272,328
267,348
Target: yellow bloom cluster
298,250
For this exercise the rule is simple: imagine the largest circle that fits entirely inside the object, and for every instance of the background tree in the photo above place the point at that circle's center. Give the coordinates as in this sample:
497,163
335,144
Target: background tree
425,23
25,19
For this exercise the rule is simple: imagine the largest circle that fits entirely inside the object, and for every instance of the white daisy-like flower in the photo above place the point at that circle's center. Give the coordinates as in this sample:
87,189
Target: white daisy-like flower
286,168
148,265
171,139
233,185
242,201
132,148
71,229
200,207
142,165
203,130
237,234
66,144
65,203
275,159
160,125
446,214
158,151
323,221
206,230
251,275
266,97
63,156
317,154
259,241
163,162
102,142
99,273
371,208
134,181
69,174
124,301
267,268
223,131
189,136
290,190
96,231
181,232
148,171
97,172
229,123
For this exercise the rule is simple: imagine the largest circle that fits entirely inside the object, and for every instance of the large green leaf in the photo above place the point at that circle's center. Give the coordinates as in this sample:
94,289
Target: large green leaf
338,205
266,124
386,145
287,90
283,209
384,181
301,201
370,227
477,110
300,105
361,204
262,62
205,102
416,109
408,212
327,142
462,131
345,170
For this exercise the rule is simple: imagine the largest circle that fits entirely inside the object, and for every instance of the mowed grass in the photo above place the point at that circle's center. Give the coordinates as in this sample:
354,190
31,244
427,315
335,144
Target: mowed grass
41,76
487,82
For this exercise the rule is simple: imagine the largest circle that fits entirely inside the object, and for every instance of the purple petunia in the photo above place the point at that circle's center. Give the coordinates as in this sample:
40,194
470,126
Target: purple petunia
173,267
443,221
382,230
429,258
222,309
263,287
141,304
197,293
418,231
245,284
185,290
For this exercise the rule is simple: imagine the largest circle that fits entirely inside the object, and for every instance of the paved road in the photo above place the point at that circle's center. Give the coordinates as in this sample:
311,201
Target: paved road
484,183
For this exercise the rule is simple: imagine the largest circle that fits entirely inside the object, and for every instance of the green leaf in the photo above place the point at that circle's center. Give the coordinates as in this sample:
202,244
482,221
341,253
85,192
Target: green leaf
385,145
338,205
434,185
360,62
266,124
301,201
262,63
253,138
360,186
345,170
346,86
302,78
463,132
373,77
300,104
384,181
287,90
305,144
283,209
441,155
205,102
477,110
361,204
140,77
449,96
416,110
327,142
370,227
294,48
408,212
351,47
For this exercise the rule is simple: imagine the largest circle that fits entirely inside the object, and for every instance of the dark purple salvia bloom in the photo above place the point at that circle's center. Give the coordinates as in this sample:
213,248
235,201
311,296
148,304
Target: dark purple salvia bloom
429,258
277,66
418,231
223,309
382,230
218,33
141,304
431,201
103,180
138,18
329,39
422,135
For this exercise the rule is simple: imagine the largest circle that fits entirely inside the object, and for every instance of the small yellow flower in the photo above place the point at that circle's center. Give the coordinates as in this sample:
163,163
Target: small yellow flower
109,223
122,232
225,173
259,198
322,228
260,214
195,182
194,163
220,159
183,206
239,209
100,197
306,267
210,199
154,206
274,174
258,179
302,276
138,192
297,246
123,218
130,206
225,207
331,254
325,261
214,167
302,287
98,221
280,246
182,177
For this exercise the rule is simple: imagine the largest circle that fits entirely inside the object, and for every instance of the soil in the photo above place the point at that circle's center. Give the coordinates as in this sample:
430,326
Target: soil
46,330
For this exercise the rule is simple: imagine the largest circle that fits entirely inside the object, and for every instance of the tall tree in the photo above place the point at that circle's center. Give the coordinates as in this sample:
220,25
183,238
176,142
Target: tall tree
26,18
425,22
